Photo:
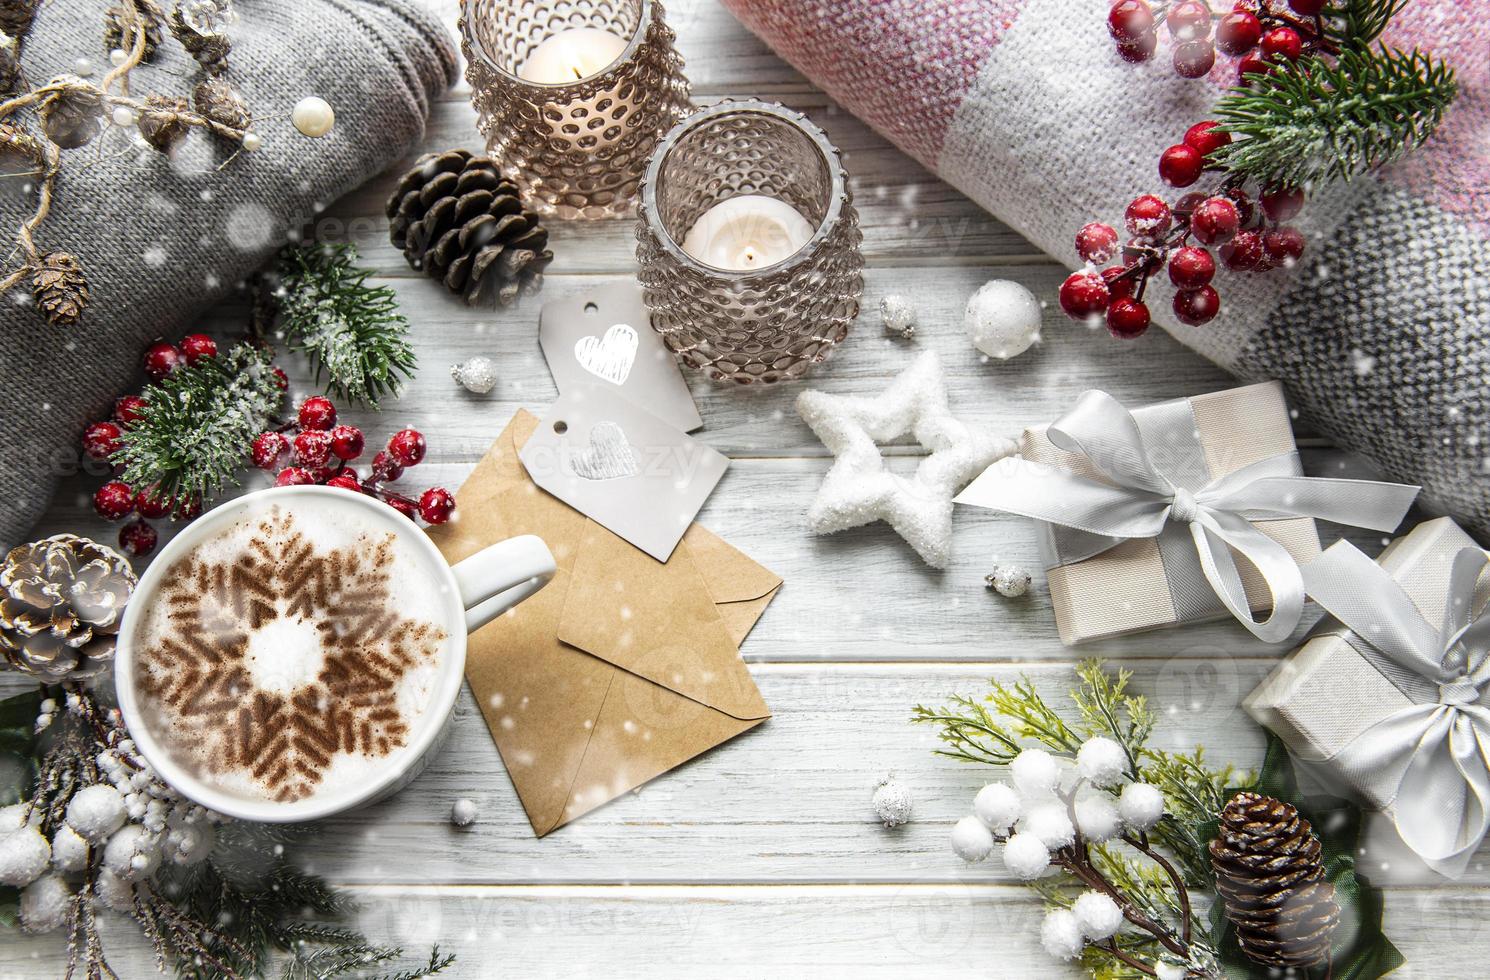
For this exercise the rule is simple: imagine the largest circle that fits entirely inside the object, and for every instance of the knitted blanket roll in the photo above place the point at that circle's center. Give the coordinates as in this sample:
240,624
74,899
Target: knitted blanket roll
1381,334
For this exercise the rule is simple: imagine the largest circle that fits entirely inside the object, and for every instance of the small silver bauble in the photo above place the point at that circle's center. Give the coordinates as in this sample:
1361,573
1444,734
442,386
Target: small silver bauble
476,374
898,315
892,803
1010,581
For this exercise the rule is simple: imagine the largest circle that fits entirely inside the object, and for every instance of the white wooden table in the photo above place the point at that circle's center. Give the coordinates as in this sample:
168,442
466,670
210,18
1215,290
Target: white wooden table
763,857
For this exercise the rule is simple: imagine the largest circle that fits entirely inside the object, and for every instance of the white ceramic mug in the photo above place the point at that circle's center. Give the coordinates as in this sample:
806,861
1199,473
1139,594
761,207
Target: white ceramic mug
474,591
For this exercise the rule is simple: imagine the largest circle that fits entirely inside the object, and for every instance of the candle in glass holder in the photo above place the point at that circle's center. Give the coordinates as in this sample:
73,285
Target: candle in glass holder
751,231
572,55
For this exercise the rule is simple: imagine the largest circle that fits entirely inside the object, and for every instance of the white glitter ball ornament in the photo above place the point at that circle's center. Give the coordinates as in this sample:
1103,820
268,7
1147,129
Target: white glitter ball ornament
1010,581
971,840
1026,856
1141,806
898,316
1003,319
1035,772
24,855
44,904
463,813
997,805
1097,915
1060,935
1102,761
475,374
892,803
313,116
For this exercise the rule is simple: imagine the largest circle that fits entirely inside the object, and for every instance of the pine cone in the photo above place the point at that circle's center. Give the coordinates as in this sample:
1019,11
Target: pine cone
73,116
61,601
115,22
210,50
60,288
462,222
1269,873
16,16
10,70
161,123
215,99
16,142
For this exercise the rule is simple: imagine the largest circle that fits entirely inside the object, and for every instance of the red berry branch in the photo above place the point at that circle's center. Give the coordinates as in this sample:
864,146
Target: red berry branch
1264,34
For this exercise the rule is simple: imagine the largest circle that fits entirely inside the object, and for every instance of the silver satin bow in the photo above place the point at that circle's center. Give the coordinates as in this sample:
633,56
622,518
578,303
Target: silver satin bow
1433,758
1139,501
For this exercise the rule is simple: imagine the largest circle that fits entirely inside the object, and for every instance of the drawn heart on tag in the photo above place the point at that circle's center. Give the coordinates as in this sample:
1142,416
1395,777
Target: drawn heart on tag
607,457
609,358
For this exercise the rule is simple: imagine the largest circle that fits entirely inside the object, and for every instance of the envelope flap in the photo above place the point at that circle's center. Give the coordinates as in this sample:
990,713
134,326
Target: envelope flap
658,621
731,575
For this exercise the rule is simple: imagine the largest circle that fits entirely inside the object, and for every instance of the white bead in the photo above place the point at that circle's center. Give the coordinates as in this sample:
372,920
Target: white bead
1026,856
898,316
997,805
971,840
1035,772
1141,806
117,57
252,141
1050,823
83,67
463,813
95,812
892,803
1102,761
1003,319
1097,915
1060,935
122,116
1098,819
313,116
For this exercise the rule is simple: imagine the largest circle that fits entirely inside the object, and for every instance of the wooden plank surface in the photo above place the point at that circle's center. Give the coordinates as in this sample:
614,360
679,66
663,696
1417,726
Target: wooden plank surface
763,856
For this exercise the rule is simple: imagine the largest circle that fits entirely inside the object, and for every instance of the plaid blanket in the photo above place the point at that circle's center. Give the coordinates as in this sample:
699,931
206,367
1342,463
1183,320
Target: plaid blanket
1382,334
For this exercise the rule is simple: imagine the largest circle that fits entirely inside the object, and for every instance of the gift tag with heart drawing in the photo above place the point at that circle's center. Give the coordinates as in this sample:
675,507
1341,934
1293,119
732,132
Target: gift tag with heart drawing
603,336
622,467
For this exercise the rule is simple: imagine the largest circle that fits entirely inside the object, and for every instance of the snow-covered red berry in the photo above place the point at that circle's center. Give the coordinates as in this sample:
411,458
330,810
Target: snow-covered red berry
1205,138
1119,284
1130,20
1181,165
1026,857
1238,32
1096,242
1189,20
1060,936
1097,915
114,500
1127,318
1215,220
1282,203
385,467
129,409
971,841
267,448
294,476
1083,294
1147,214
347,441
1245,209
1243,252
1101,761
1036,772
281,380
405,507
161,359
313,448
1139,51
1196,307
1253,64
1282,43
1191,267
1283,246
138,538
317,413
198,347
153,504
102,439
1141,806
436,505
406,446
998,806
1194,59
345,483
189,507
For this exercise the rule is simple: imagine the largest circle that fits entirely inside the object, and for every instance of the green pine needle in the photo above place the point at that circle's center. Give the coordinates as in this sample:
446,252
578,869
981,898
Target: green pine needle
354,334
1318,121
193,433
1358,23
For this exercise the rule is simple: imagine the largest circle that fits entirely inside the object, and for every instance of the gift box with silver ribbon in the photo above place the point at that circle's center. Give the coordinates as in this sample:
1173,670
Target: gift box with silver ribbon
1386,700
1178,512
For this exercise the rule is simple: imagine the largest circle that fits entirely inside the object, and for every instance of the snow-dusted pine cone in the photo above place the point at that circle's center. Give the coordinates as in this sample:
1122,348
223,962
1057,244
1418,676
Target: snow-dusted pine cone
16,16
463,223
61,600
152,19
60,288
1270,875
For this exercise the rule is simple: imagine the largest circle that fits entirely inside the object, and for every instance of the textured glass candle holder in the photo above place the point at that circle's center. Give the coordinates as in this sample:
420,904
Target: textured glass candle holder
758,325
577,149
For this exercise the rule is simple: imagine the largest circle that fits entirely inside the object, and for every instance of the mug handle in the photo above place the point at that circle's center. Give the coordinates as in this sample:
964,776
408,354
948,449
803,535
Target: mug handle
499,576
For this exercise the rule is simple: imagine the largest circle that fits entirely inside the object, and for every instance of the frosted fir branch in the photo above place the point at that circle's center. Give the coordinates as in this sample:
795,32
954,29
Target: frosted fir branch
1319,121
353,333
1358,23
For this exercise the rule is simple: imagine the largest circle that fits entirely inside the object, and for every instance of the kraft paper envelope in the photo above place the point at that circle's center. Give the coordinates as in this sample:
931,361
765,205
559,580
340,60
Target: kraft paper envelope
623,667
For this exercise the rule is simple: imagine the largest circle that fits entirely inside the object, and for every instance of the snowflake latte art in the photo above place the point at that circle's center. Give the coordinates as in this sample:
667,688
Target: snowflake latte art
292,653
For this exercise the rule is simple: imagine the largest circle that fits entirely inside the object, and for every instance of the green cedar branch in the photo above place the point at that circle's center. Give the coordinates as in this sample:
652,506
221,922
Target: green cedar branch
353,333
1318,121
